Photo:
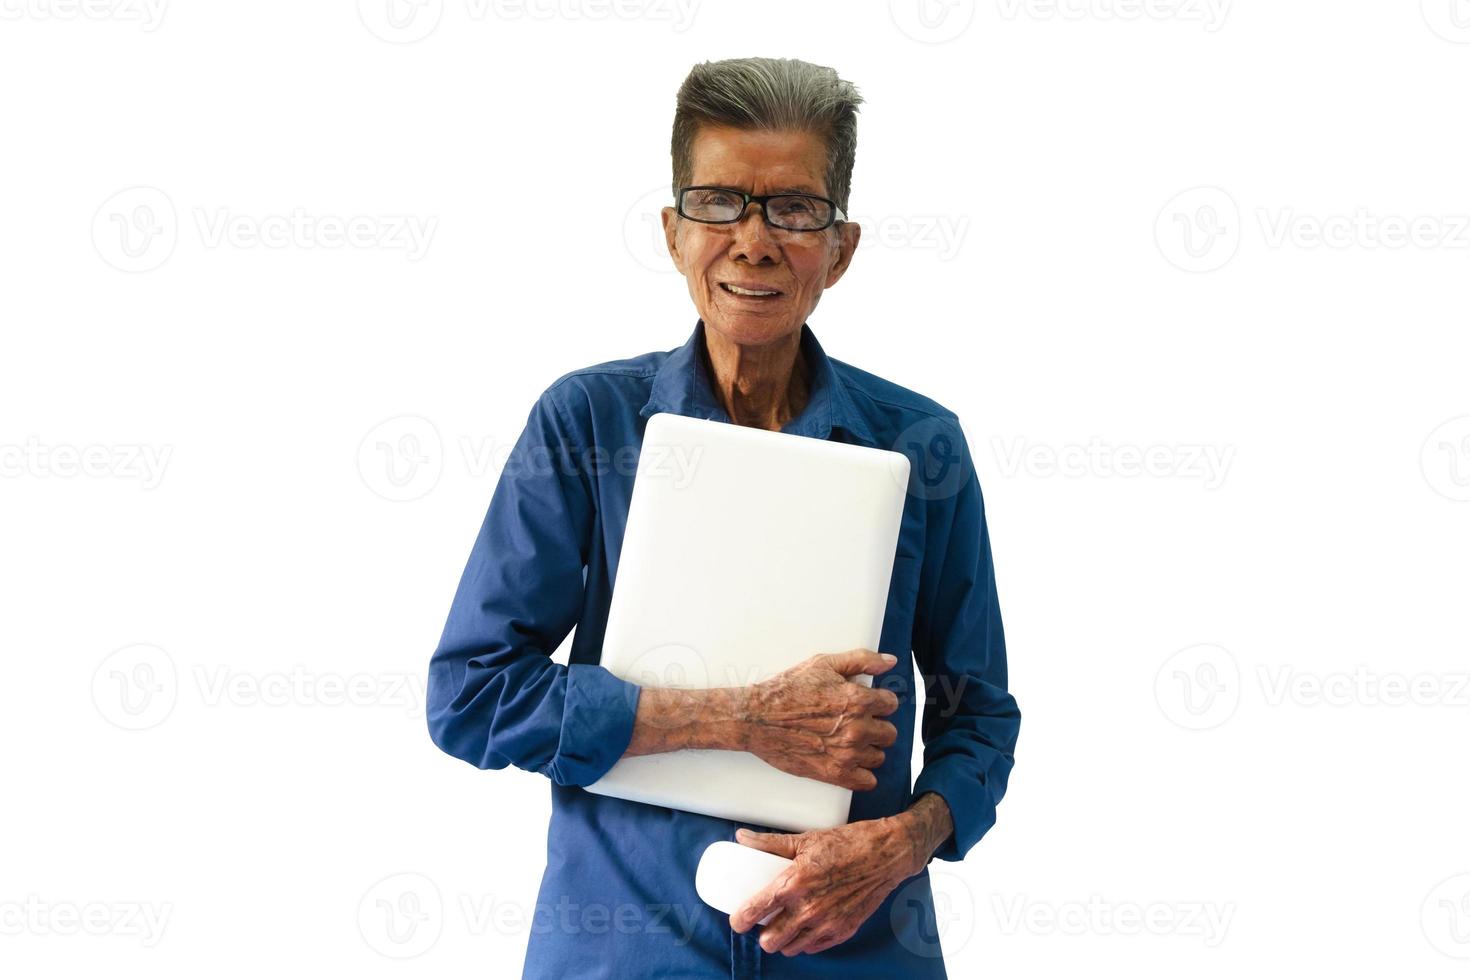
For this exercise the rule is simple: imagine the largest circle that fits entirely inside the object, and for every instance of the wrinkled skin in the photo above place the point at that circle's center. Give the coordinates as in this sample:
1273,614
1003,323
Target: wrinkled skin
810,720
839,877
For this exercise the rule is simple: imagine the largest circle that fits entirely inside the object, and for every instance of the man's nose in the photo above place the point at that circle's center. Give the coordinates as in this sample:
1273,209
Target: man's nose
752,235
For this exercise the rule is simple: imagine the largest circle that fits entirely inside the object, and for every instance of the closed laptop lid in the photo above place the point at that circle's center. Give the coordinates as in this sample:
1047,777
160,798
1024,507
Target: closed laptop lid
745,552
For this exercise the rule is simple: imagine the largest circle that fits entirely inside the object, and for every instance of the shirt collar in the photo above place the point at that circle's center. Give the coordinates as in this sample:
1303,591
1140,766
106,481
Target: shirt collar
682,387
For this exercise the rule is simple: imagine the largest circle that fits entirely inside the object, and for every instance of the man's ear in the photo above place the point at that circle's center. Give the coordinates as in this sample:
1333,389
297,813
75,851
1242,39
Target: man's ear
849,233
670,219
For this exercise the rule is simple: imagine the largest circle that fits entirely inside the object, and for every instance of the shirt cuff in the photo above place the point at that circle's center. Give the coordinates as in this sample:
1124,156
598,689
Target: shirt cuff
596,724
970,805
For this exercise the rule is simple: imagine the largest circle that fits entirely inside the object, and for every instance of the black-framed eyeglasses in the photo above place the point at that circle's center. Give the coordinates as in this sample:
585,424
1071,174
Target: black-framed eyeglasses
726,205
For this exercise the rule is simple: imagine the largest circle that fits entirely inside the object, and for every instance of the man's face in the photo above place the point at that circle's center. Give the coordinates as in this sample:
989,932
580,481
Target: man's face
800,264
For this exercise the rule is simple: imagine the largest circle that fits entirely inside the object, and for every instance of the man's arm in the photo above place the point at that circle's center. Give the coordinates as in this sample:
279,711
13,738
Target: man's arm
809,720
925,825
670,719
495,696
971,721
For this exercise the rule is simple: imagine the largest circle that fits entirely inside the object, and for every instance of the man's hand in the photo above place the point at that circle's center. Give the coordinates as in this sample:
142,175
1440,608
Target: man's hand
810,720
839,877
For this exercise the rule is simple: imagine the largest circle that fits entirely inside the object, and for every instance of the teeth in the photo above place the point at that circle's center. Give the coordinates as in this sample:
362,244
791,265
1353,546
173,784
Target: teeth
749,292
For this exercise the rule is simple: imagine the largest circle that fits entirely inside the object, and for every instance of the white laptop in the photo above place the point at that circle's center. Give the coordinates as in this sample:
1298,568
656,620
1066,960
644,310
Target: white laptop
746,551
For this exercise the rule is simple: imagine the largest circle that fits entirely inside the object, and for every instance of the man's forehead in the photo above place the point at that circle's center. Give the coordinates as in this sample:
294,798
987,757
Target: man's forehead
769,186
757,179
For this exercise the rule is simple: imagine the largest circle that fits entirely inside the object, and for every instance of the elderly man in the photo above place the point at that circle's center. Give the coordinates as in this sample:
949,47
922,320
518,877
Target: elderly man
762,155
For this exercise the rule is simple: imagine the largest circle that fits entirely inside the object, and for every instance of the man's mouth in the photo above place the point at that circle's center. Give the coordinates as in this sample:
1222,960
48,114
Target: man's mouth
757,292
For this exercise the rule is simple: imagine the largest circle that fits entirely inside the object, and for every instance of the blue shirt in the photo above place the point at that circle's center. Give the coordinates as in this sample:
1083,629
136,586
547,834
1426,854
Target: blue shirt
617,898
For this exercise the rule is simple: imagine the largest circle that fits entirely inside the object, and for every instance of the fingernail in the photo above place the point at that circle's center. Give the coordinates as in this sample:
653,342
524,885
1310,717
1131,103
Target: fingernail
890,658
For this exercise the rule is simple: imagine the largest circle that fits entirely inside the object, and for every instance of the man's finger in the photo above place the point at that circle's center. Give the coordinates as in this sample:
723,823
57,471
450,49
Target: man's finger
777,936
758,907
804,941
782,844
882,701
860,661
879,733
822,943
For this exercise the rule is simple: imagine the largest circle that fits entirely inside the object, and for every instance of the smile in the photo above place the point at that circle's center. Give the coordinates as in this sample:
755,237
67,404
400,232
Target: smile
743,291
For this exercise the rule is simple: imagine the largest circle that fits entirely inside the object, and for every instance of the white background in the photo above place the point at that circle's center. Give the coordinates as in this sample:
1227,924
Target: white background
244,461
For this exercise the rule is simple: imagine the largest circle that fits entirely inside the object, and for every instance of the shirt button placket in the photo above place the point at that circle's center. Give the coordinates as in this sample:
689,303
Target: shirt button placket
745,955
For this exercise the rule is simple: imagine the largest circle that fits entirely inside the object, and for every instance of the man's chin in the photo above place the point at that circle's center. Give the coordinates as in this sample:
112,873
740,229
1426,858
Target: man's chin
754,328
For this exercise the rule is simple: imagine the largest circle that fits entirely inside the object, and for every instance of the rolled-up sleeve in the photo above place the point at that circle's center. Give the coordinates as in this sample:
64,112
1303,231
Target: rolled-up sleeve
495,697
970,720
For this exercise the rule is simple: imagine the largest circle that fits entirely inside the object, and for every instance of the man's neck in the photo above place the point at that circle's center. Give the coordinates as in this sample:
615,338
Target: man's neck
764,387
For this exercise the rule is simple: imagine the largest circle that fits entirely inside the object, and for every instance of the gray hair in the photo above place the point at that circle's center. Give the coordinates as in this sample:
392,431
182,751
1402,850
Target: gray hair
770,93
